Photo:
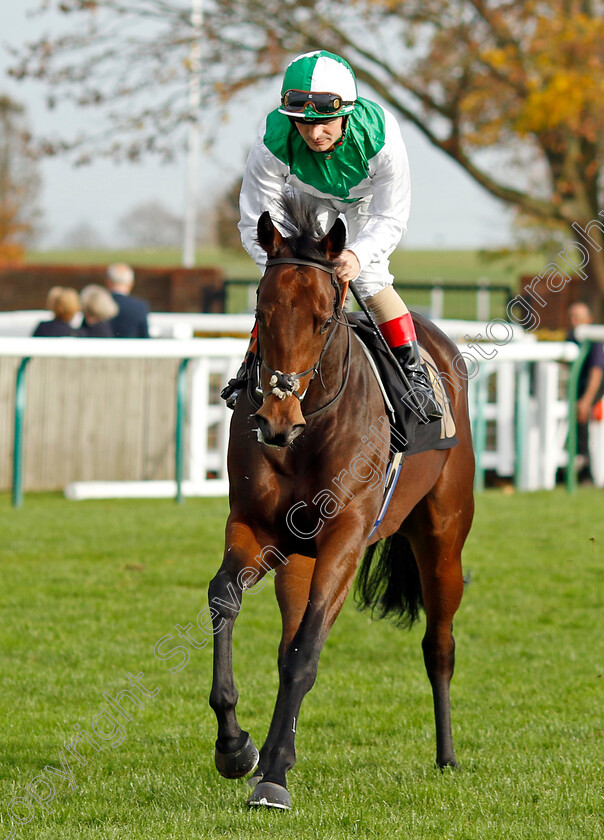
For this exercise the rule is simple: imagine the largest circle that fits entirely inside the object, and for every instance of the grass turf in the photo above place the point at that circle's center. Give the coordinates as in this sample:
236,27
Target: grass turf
88,589
408,266
464,266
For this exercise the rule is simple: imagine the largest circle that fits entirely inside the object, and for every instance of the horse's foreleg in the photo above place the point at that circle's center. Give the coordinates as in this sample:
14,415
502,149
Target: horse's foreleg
337,558
235,754
292,588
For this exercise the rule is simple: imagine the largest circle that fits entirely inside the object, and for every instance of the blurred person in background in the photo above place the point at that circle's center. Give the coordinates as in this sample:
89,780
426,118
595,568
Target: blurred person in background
590,388
99,308
65,304
131,320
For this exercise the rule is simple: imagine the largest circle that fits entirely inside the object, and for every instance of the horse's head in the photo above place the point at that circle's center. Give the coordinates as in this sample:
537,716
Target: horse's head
296,305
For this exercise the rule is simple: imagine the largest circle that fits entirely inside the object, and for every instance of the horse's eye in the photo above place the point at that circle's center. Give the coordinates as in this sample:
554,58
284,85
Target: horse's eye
325,326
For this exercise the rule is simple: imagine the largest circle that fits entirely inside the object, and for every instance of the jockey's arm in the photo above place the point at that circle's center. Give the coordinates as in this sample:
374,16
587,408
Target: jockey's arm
263,185
388,210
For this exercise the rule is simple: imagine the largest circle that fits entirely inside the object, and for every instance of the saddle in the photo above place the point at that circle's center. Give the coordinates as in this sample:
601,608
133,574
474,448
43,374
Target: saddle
409,434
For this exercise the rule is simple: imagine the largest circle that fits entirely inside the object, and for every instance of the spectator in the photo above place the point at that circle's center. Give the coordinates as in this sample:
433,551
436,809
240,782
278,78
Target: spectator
99,308
65,304
590,388
131,322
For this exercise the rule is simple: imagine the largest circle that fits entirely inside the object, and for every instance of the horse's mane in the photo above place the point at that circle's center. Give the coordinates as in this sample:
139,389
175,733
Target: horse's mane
302,228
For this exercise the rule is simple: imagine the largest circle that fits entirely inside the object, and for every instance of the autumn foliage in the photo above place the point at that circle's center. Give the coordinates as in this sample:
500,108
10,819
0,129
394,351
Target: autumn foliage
19,183
511,91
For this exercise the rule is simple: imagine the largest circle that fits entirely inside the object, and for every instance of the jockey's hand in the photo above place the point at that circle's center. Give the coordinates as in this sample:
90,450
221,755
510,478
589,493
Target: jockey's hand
347,267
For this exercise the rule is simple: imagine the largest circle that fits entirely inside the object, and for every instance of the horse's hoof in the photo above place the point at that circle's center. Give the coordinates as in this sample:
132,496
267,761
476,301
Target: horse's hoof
270,795
237,764
253,780
443,763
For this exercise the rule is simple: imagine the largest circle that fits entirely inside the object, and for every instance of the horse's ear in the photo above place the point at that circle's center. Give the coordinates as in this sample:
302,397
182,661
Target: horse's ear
269,237
335,240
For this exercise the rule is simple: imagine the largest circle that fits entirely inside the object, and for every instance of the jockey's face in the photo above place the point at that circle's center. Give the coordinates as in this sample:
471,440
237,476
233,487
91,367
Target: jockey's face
321,135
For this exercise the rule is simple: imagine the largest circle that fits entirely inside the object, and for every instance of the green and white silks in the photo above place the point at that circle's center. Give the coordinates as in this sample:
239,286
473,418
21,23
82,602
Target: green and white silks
365,179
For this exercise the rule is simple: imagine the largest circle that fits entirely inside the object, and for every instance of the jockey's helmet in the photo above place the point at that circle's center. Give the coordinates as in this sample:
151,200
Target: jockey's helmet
317,86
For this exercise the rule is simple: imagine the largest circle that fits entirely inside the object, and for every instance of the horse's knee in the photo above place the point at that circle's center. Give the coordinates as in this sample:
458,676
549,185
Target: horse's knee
224,597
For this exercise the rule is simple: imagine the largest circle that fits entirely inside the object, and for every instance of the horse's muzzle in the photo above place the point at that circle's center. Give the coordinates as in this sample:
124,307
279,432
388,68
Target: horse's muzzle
279,421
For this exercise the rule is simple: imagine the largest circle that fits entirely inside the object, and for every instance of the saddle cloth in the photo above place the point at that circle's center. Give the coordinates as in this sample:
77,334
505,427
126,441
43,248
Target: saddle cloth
411,435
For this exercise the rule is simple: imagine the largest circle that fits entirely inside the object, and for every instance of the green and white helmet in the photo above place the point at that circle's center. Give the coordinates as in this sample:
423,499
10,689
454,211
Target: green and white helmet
318,85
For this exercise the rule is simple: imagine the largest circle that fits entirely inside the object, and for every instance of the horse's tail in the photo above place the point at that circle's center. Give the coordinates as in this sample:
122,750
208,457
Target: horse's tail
388,581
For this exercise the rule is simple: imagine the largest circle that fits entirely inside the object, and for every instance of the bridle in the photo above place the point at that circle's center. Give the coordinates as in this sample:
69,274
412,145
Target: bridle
283,385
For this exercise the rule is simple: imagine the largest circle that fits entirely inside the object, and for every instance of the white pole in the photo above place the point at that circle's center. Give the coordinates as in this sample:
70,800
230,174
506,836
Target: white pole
188,248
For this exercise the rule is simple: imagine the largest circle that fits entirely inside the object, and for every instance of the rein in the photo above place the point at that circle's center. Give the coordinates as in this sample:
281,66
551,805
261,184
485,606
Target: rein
287,384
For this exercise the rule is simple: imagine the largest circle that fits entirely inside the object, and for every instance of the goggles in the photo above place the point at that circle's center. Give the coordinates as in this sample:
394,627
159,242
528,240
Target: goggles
326,104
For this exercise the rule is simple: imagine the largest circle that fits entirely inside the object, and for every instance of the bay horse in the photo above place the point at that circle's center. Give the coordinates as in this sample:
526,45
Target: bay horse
306,484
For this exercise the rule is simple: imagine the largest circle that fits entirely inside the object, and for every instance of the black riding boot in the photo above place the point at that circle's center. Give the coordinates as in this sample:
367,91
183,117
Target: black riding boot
408,357
234,387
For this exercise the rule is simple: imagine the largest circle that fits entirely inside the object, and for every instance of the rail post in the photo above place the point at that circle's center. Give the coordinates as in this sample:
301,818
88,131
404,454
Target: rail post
20,402
181,411
479,426
573,387
522,422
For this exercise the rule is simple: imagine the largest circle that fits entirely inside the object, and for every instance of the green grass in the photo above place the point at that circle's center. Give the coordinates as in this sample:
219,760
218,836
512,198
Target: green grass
410,265
88,588
235,264
470,267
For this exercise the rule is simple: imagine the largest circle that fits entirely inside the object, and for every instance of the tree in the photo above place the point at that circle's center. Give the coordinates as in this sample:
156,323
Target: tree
19,182
151,225
227,216
523,80
83,237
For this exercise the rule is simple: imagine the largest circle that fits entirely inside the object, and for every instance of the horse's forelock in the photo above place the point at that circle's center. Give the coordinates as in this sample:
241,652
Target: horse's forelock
303,231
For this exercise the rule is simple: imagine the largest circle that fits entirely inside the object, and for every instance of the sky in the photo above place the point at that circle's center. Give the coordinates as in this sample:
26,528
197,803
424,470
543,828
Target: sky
448,209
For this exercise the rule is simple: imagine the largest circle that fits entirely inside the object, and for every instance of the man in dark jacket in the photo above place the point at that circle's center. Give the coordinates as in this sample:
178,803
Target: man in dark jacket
131,320
590,388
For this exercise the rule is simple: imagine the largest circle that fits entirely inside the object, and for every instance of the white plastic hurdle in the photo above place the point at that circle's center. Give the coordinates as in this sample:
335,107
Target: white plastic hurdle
21,323
520,393
517,392
215,355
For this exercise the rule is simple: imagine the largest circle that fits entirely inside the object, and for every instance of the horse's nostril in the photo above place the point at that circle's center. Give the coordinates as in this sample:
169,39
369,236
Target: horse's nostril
263,425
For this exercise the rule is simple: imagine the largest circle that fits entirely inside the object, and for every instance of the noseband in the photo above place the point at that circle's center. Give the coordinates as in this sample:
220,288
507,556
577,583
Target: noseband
284,385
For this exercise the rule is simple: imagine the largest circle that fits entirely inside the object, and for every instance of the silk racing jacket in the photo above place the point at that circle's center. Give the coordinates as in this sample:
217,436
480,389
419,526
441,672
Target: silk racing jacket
365,178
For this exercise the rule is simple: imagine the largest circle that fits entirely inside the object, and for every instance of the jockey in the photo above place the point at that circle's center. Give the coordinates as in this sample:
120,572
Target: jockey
348,154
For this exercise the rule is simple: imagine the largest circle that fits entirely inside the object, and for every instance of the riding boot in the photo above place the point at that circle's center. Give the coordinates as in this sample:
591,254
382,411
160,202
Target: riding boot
407,355
396,324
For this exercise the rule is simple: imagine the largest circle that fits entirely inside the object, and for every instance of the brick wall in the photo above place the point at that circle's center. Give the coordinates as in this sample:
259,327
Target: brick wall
165,289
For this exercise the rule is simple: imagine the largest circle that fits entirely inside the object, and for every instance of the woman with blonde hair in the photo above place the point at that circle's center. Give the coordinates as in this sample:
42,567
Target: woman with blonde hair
65,304
99,308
